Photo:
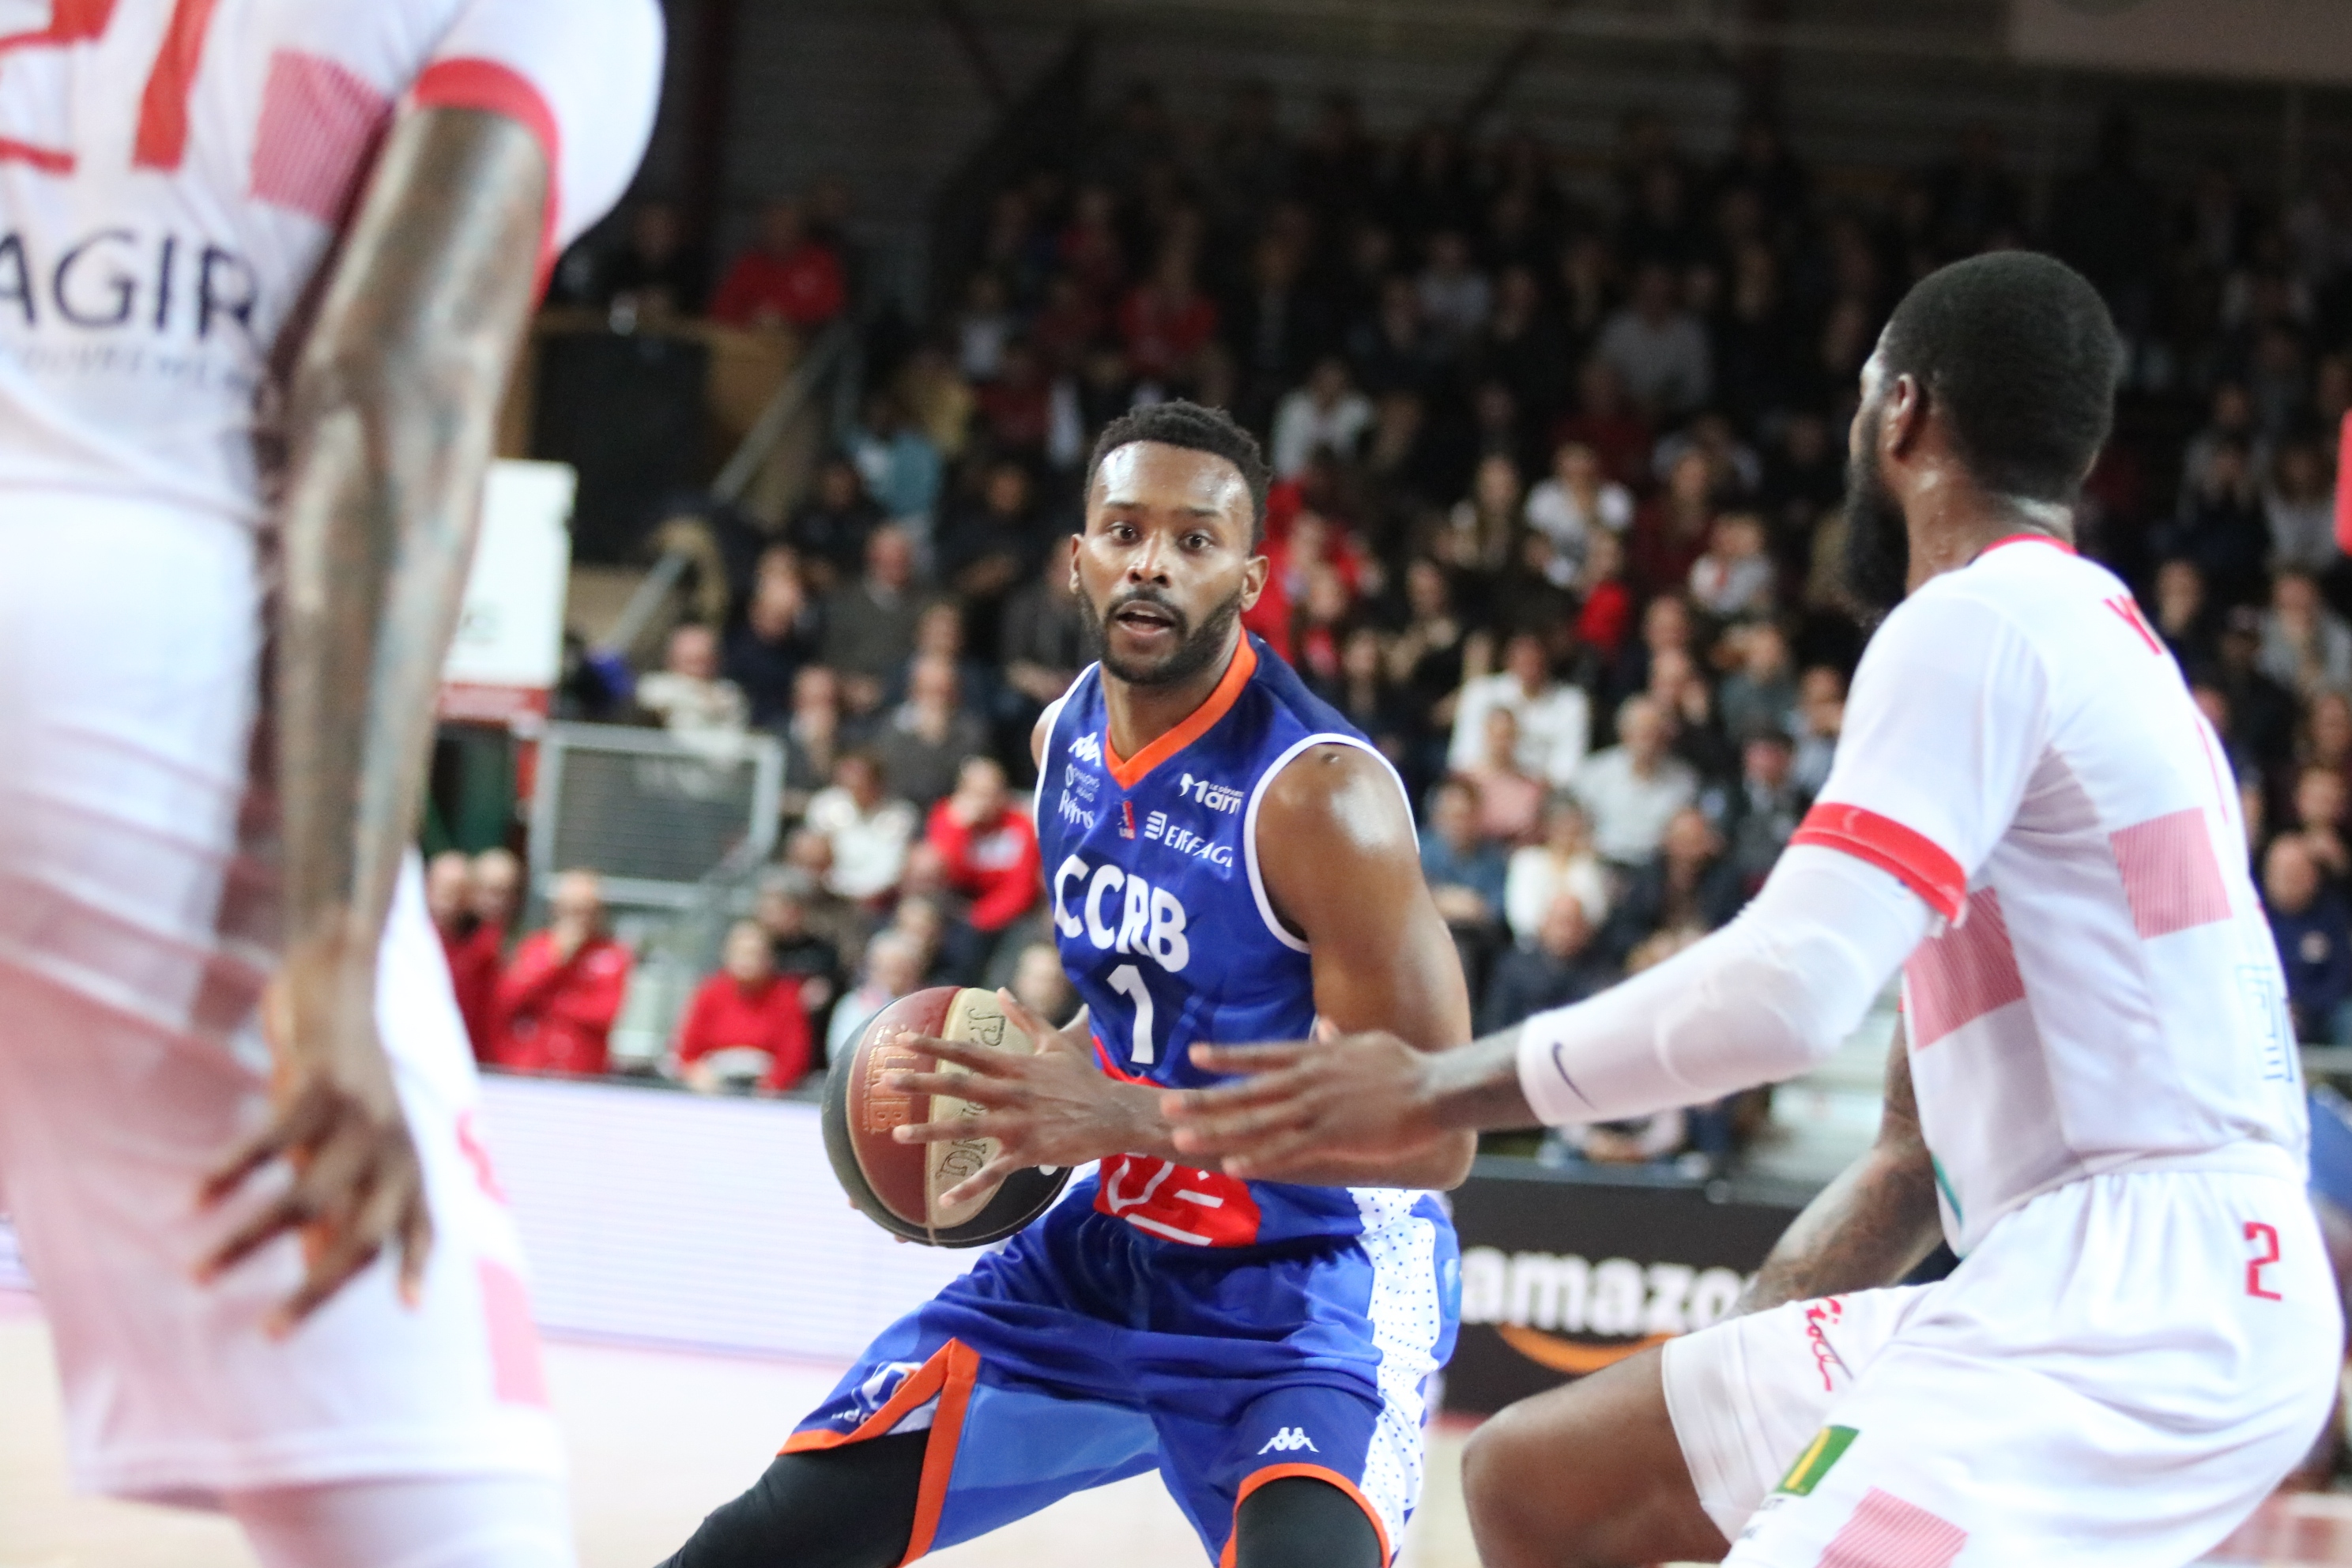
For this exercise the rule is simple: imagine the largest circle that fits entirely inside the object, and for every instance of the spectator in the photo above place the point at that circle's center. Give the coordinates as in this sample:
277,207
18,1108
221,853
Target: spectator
745,1026
2220,526
796,948
1555,719
469,944
2306,646
1608,608
1455,296
1633,789
894,968
1042,641
1327,412
924,740
987,551
1369,700
1821,718
779,634
2313,934
558,998
1476,537
988,847
1560,967
900,464
1658,349
1759,695
1607,423
867,829
869,626
2320,804
1688,885
812,734
1465,873
2184,617
1563,863
1577,502
654,276
1760,815
842,922
1734,578
2299,505
785,277
1672,530
1040,984
983,327
829,530
689,696
1167,322
1510,801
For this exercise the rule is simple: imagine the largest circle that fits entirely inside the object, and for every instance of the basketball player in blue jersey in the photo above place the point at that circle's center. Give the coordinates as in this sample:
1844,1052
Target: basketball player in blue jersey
1226,859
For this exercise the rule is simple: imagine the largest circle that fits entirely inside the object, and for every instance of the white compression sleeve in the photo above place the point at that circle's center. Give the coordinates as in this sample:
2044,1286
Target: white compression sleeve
1764,998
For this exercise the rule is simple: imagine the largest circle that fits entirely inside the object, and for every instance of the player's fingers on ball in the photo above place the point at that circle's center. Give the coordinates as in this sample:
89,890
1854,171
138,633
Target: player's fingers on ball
979,1058
962,1086
947,1131
1019,1015
981,1182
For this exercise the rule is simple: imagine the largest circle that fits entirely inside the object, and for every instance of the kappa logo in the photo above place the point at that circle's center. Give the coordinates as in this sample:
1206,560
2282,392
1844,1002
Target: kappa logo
1215,796
1289,1440
1087,748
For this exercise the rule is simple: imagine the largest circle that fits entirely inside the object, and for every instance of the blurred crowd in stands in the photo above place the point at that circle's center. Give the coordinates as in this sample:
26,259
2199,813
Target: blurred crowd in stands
1559,457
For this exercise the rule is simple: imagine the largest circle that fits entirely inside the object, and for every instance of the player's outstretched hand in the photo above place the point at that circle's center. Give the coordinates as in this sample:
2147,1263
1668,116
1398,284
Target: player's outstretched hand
1297,1107
357,1187
1053,1107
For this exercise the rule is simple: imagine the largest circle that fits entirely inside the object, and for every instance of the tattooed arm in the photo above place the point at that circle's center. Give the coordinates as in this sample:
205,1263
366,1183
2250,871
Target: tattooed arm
1871,1225
395,405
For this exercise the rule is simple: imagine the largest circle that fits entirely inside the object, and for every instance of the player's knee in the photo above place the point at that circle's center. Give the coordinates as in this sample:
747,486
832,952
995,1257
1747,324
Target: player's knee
848,1508
1536,1499
1301,1523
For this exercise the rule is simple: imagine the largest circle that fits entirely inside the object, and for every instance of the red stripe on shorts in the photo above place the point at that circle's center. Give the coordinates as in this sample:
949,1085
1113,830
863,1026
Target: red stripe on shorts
2170,874
1887,1532
1963,975
319,127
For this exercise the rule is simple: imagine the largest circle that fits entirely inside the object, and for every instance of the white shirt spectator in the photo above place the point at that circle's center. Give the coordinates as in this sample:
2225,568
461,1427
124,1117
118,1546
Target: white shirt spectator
869,847
692,708
1538,875
1631,790
1658,349
1316,415
1556,512
2306,646
1555,726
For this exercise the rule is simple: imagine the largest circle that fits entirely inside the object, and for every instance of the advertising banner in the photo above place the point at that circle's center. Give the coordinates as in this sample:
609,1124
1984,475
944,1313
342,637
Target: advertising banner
1562,1276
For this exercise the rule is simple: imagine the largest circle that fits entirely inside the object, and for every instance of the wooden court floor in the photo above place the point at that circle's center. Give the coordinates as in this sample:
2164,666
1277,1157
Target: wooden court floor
658,1438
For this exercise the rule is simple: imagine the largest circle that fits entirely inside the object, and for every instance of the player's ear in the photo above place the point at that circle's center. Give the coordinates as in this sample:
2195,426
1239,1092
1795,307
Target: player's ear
1905,418
1077,542
1254,580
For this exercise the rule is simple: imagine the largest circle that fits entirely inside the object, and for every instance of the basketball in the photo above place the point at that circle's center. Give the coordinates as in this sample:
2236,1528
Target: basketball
900,1185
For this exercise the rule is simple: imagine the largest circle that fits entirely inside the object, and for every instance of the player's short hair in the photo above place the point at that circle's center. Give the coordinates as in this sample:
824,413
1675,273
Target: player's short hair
1196,428
2019,350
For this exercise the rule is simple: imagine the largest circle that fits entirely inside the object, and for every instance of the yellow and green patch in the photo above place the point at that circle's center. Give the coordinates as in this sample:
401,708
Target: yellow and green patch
1826,1448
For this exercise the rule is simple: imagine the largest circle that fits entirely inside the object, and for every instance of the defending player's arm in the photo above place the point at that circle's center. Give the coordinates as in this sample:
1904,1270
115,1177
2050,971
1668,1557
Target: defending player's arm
1871,1225
1946,721
393,409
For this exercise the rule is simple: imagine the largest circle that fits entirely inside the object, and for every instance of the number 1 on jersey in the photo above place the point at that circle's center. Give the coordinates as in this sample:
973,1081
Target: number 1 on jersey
1127,981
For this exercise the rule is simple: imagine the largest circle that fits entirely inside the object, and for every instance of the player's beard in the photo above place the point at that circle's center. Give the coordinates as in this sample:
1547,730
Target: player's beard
1196,647
1877,566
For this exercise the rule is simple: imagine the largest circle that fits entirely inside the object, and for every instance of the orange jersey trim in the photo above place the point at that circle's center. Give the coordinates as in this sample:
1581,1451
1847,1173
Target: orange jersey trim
1197,723
1312,1472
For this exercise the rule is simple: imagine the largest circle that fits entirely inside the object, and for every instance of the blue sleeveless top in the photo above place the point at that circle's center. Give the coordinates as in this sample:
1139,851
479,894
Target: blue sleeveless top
1166,931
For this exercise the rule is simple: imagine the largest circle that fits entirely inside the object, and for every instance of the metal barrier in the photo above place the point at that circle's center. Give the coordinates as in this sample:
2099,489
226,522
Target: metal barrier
655,815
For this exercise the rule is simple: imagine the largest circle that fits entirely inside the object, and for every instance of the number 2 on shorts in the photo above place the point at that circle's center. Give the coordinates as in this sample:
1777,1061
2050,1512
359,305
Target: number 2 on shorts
2266,1238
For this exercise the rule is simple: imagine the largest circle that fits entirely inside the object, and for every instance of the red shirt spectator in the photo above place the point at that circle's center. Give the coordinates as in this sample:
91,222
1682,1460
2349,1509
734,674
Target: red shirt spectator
989,846
1166,322
474,947
557,1000
785,277
745,1008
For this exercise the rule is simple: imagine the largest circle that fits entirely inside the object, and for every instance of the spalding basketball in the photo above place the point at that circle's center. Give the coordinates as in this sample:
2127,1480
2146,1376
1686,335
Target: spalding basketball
900,1185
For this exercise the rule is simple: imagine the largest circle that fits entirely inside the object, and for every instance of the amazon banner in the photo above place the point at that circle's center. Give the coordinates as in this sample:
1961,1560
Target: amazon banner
1564,1275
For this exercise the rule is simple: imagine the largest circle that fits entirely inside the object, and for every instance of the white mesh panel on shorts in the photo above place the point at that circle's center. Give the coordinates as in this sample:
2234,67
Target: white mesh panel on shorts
1407,1319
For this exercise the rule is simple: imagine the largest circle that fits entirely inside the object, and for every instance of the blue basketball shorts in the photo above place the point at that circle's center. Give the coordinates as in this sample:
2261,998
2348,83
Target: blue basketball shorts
1086,1351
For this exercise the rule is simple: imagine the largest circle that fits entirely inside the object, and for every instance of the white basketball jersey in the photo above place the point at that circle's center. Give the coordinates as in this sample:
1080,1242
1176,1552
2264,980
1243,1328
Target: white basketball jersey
2101,992
172,173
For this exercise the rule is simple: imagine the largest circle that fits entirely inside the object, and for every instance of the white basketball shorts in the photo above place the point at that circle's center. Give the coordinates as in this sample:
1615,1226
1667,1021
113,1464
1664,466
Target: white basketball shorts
2114,1379
133,939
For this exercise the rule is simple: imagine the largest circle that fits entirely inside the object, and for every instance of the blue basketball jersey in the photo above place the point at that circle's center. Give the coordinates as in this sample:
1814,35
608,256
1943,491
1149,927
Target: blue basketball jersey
1167,933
